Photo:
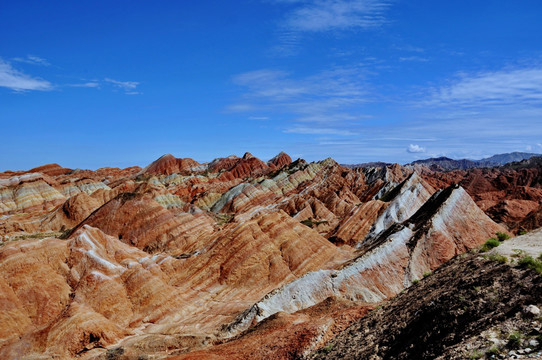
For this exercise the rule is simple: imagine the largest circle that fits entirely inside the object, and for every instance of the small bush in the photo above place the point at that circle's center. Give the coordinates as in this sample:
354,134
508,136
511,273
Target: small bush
502,236
475,355
493,351
514,339
426,274
499,258
522,232
490,244
531,263
327,348
415,281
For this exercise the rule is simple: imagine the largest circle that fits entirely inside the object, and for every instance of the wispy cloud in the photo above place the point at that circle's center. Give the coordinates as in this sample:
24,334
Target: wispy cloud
19,81
304,17
90,84
129,87
319,131
325,15
413,58
32,59
504,87
327,102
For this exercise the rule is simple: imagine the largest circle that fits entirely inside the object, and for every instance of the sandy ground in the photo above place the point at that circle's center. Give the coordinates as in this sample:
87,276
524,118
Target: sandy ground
530,243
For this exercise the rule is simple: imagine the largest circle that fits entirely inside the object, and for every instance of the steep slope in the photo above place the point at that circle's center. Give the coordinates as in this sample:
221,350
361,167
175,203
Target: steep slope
446,316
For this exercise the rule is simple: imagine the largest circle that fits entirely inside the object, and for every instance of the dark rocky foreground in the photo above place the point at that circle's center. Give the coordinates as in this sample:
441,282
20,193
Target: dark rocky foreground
469,308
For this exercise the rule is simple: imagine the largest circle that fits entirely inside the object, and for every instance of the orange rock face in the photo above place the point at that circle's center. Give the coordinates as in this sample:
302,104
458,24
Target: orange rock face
232,259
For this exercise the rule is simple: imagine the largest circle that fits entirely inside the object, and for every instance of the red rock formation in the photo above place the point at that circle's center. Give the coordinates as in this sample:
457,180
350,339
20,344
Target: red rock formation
226,245
280,160
169,164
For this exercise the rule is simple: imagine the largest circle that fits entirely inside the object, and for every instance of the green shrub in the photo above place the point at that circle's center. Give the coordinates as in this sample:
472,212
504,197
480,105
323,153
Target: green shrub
426,274
499,258
490,244
502,236
522,232
514,339
415,281
475,355
531,263
493,351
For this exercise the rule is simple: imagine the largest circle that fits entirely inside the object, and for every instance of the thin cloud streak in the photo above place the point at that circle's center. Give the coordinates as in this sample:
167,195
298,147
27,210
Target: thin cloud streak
18,81
32,59
129,87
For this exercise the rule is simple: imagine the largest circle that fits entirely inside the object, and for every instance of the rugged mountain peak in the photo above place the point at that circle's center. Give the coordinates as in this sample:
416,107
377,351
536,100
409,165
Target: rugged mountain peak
280,160
168,164
247,156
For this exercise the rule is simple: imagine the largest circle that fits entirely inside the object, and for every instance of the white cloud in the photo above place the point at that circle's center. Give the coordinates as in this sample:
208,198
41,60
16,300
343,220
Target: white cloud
129,87
415,149
498,88
19,81
325,15
32,59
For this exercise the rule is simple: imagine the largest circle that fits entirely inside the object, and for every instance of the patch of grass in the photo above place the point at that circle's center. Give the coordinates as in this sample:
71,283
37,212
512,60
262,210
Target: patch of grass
518,253
499,258
494,350
531,263
415,281
426,274
522,232
490,244
327,348
502,236
514,339
476,355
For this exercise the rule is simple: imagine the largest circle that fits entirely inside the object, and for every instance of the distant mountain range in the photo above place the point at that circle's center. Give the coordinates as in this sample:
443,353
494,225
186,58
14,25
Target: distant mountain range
445,163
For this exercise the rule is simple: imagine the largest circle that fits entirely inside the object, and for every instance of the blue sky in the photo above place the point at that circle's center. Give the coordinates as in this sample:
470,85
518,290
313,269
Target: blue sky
118,83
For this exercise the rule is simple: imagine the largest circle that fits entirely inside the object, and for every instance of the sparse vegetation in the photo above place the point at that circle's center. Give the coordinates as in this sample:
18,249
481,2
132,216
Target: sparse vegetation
514,339
497,257
531,263
502,236
490,244
476,355
327,348
415,281
494,350
426,274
